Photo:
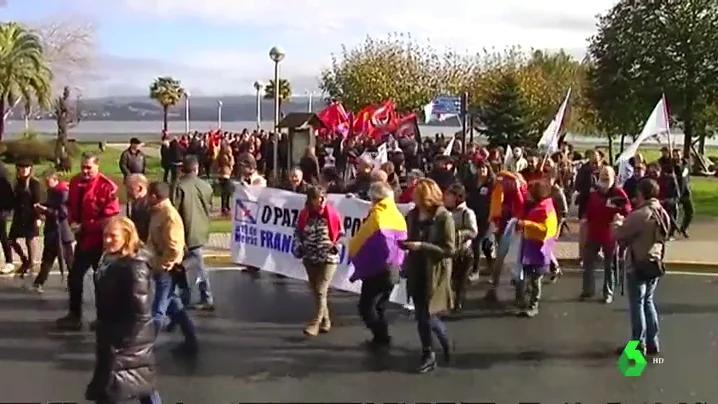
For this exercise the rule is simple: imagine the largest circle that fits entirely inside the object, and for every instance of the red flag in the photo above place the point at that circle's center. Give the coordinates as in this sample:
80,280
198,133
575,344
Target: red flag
408,126
335,117
376,120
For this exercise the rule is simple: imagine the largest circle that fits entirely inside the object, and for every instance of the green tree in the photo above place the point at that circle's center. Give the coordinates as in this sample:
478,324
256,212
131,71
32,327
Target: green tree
505,112
24,72
654,47
168,92
285,91
396,68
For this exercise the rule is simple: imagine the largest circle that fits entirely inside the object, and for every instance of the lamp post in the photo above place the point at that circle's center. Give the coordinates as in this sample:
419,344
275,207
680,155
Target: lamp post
276,54
311,98
186,112
258,86
219,114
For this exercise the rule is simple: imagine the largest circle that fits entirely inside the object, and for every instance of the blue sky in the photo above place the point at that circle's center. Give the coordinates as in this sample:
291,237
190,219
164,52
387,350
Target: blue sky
221,46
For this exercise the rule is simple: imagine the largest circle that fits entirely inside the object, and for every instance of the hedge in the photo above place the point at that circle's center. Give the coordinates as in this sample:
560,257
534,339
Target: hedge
35,150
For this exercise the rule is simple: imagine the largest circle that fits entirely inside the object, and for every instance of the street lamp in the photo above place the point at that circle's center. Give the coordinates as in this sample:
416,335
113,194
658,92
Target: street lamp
311,98
276,54
186,111
258,86
219,114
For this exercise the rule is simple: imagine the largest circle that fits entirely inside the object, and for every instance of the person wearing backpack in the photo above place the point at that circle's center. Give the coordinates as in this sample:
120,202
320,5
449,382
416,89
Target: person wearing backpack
643,233
466,231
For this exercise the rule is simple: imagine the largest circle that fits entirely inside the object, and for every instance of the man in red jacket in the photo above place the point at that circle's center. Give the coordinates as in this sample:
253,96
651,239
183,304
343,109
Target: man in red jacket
92,199
604,203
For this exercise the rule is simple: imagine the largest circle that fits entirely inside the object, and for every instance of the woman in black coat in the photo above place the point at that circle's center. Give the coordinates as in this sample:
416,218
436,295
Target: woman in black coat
125,333
25,218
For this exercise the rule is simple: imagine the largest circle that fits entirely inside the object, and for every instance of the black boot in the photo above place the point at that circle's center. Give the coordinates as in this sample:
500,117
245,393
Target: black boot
69,323
428,362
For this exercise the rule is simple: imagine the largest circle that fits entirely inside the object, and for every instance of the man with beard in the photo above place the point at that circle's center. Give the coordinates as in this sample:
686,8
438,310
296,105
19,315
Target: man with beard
443,172
604,203
532,172
360,185
295,181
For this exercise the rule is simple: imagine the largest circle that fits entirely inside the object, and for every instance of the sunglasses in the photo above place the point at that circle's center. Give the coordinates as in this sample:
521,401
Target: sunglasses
87,167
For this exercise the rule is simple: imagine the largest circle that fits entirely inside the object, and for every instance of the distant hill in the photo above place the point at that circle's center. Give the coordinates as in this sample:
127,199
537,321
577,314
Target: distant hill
236,108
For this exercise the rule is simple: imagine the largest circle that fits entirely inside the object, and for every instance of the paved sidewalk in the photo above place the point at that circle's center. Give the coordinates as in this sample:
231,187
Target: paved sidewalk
681,252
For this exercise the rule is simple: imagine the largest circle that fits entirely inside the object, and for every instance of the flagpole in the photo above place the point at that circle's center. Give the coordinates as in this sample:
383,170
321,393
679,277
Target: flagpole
668,122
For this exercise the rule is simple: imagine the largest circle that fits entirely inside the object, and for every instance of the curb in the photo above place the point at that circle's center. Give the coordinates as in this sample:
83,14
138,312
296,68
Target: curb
572,263
225,259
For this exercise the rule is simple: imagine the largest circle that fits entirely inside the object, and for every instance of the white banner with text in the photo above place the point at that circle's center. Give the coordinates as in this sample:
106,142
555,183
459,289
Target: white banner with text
263,232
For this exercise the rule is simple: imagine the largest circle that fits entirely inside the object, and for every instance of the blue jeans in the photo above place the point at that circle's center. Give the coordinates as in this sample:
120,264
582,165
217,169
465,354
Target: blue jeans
153,398
167,304
644,316
194,259
426,324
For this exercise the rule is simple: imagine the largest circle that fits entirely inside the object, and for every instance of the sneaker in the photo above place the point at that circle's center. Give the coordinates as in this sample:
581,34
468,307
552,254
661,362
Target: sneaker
38,289
608,299
428,362
7,269
529,313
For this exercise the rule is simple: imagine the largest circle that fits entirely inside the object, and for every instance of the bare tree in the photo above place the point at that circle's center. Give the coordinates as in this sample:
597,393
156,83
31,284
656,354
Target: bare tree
70,48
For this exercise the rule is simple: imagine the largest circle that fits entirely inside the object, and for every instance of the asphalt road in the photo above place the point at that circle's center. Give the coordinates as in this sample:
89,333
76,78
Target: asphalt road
253,350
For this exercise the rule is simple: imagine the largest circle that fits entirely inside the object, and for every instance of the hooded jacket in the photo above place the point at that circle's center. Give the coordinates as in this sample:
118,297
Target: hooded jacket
643,232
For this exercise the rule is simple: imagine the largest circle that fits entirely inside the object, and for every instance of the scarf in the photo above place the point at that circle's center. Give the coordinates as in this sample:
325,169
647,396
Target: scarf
327,212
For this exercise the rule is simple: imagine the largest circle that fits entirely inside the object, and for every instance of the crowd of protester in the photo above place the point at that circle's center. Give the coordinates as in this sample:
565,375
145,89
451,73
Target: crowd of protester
464,201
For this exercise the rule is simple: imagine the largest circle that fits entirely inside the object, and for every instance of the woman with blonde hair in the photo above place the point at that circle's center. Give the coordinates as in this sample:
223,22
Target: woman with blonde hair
125,332
431,244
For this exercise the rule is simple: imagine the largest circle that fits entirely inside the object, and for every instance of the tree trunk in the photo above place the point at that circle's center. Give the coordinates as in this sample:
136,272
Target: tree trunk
165,114
610,149
702,143
623,142
2,121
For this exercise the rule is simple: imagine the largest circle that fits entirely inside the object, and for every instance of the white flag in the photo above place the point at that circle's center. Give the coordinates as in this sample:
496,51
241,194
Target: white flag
449,147
656,124
549,139
428,109
508,157
382,155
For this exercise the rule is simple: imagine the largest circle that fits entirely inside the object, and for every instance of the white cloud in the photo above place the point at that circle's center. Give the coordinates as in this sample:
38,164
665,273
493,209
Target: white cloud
311,30
467,24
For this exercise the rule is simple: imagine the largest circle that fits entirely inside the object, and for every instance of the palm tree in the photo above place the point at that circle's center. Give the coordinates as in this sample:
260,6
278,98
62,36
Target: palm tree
168,92
285,91
25,75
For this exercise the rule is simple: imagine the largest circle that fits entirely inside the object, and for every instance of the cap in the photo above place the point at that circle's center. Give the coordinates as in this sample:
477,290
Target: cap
23,162
247,160
135,140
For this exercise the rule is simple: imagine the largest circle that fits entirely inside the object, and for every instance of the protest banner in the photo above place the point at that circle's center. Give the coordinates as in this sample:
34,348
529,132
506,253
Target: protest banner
263,233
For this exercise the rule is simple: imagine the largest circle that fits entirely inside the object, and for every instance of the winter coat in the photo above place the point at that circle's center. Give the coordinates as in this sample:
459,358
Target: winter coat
125,333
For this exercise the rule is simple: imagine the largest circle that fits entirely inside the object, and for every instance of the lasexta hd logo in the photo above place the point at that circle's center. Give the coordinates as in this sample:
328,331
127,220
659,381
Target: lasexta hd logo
632,361
245,211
